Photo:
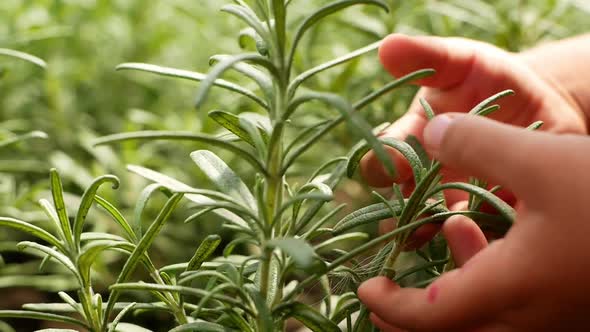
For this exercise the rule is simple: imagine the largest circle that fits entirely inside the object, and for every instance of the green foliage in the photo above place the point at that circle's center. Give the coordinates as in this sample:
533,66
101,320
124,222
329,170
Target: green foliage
273,211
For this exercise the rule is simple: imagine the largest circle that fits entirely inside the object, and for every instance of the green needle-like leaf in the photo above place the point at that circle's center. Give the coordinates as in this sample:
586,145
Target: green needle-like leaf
335,177
128,327
177,186
141,204
183,136
488,110
32,230
142,246
87,201
311,318
250,33
257,135
264,316
427,109
298,200
226,64
404,148
301,78
413,76
299,250
50,212
117,217
368,214
326,10
91,252
60,207
113,325
535,125
69,300
345,310
189,276
201,327
207,247
502,207
23,56
249,17
355,122
20,138
41,316
263,80
224,177
334,242
321,132
477,110
179,289
419,149
192,76
234,125
63,259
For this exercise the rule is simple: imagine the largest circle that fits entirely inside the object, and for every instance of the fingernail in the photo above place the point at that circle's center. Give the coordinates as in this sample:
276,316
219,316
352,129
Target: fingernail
435,131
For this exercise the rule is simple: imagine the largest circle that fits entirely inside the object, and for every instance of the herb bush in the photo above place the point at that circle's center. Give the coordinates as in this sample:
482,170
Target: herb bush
9,139
290,230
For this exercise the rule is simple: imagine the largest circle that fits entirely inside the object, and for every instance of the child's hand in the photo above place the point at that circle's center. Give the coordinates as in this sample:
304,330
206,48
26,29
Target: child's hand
536,278
468,72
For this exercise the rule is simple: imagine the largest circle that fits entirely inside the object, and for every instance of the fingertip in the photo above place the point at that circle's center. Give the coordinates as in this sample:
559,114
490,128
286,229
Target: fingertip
421,236
457,223
389,47
436,129
394,52
434,132
375,288
452,59
464,237
375,174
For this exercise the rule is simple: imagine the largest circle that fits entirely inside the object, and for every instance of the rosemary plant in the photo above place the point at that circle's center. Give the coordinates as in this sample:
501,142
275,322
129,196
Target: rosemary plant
292,245
5,142
8,139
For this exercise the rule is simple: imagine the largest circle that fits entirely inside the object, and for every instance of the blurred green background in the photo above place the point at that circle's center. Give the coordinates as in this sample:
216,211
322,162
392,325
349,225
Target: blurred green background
80,96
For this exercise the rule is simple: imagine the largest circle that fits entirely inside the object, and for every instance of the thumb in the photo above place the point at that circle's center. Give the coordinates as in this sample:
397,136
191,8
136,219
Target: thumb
520,160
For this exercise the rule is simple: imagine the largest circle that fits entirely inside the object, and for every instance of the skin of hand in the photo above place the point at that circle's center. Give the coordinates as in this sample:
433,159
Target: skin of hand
534,278
468,72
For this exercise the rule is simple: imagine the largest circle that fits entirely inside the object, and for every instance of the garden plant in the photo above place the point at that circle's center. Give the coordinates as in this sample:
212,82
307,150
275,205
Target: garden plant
288,230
